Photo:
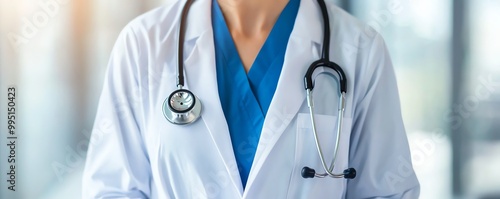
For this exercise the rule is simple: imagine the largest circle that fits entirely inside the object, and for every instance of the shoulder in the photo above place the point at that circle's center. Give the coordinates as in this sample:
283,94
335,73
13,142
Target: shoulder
158,21
343,23
145,36
343,20
354,39
149,34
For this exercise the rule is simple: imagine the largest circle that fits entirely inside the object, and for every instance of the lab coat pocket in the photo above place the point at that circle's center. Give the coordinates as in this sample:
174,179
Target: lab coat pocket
306,154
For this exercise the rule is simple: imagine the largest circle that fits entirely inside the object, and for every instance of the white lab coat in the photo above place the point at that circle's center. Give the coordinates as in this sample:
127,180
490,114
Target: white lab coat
136,153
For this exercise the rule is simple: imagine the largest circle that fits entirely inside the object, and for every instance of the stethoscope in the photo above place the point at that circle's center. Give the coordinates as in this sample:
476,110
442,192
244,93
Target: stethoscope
183,107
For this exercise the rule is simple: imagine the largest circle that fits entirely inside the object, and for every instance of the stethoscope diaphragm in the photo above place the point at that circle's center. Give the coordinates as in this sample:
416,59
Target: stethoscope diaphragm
182,107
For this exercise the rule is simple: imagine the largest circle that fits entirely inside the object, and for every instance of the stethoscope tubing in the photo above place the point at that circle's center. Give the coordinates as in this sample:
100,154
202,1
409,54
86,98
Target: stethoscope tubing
180,47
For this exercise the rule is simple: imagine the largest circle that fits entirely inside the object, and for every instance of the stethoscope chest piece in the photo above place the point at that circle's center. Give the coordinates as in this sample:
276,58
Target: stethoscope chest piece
182,107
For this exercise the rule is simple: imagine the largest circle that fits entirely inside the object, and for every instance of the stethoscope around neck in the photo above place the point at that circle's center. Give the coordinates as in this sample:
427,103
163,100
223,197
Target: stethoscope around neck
182,107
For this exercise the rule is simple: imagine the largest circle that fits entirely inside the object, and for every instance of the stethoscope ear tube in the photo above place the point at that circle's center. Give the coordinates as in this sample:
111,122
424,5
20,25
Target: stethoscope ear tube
309,86
311,173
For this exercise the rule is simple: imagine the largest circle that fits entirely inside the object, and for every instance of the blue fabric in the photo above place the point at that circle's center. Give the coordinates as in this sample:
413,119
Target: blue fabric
245,98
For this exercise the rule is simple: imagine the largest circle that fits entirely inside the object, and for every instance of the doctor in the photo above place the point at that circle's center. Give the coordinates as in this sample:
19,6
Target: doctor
244,61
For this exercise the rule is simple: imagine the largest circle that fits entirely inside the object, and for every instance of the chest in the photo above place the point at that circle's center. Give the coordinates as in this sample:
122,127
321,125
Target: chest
248,47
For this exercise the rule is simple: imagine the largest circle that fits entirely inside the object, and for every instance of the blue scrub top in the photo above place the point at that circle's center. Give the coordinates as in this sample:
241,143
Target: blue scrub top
245,98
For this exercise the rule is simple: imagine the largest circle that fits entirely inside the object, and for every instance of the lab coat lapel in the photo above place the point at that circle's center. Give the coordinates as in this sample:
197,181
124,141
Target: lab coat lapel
303,48
200,73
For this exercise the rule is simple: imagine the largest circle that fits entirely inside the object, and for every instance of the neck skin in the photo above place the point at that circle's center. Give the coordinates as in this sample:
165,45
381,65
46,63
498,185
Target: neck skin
251,18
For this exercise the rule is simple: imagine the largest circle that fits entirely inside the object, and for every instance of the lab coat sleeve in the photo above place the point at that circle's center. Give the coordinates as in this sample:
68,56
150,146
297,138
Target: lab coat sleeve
379,149
117,165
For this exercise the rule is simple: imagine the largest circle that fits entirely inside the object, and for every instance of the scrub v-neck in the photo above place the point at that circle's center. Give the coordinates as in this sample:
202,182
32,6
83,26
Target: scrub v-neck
245,98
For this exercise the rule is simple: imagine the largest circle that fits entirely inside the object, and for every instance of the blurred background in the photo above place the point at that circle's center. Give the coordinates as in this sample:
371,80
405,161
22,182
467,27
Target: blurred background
446,55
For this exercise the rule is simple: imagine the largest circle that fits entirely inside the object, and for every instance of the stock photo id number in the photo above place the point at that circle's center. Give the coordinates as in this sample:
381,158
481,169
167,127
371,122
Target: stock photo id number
11,138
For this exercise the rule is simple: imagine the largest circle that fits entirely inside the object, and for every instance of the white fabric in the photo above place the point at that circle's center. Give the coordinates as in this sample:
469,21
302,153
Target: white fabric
136,153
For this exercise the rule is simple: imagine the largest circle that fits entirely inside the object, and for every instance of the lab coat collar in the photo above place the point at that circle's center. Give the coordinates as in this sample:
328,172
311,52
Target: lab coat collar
199,18
201,79
303,48
309,23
